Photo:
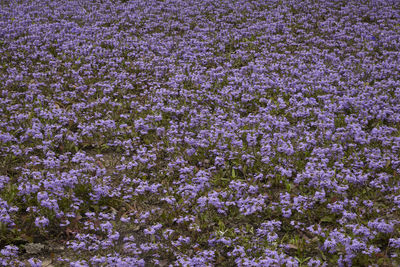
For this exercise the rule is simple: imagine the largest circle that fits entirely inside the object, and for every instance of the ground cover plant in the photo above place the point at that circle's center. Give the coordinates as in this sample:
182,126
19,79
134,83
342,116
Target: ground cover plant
199,133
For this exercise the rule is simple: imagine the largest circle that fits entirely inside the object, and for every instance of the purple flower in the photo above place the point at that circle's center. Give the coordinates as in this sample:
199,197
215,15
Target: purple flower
41,222
152,230
382,226
9,251
35,262
394,242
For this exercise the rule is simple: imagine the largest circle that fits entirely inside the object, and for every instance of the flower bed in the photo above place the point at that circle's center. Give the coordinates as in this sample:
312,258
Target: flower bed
200,133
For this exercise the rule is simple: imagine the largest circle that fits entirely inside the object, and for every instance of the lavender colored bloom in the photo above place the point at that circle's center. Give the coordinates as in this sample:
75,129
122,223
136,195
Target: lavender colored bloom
35,262
41,222
9,250
152,229
394,242
80,263
381,226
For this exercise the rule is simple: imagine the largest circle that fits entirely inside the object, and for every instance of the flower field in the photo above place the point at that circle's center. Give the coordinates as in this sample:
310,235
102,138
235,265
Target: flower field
200,133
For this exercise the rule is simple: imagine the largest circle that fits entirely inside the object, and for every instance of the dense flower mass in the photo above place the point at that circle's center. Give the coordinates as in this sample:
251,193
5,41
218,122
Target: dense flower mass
200,133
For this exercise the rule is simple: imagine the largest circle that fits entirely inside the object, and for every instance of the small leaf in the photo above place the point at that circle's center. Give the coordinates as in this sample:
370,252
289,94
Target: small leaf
364,191
233,173
388,163
163,263
221,225
135,228
328,218
323,256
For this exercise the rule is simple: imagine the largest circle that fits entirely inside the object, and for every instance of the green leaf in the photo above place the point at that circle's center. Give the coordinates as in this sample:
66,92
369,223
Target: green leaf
364,191
323,255
233,173
221,225
328,218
